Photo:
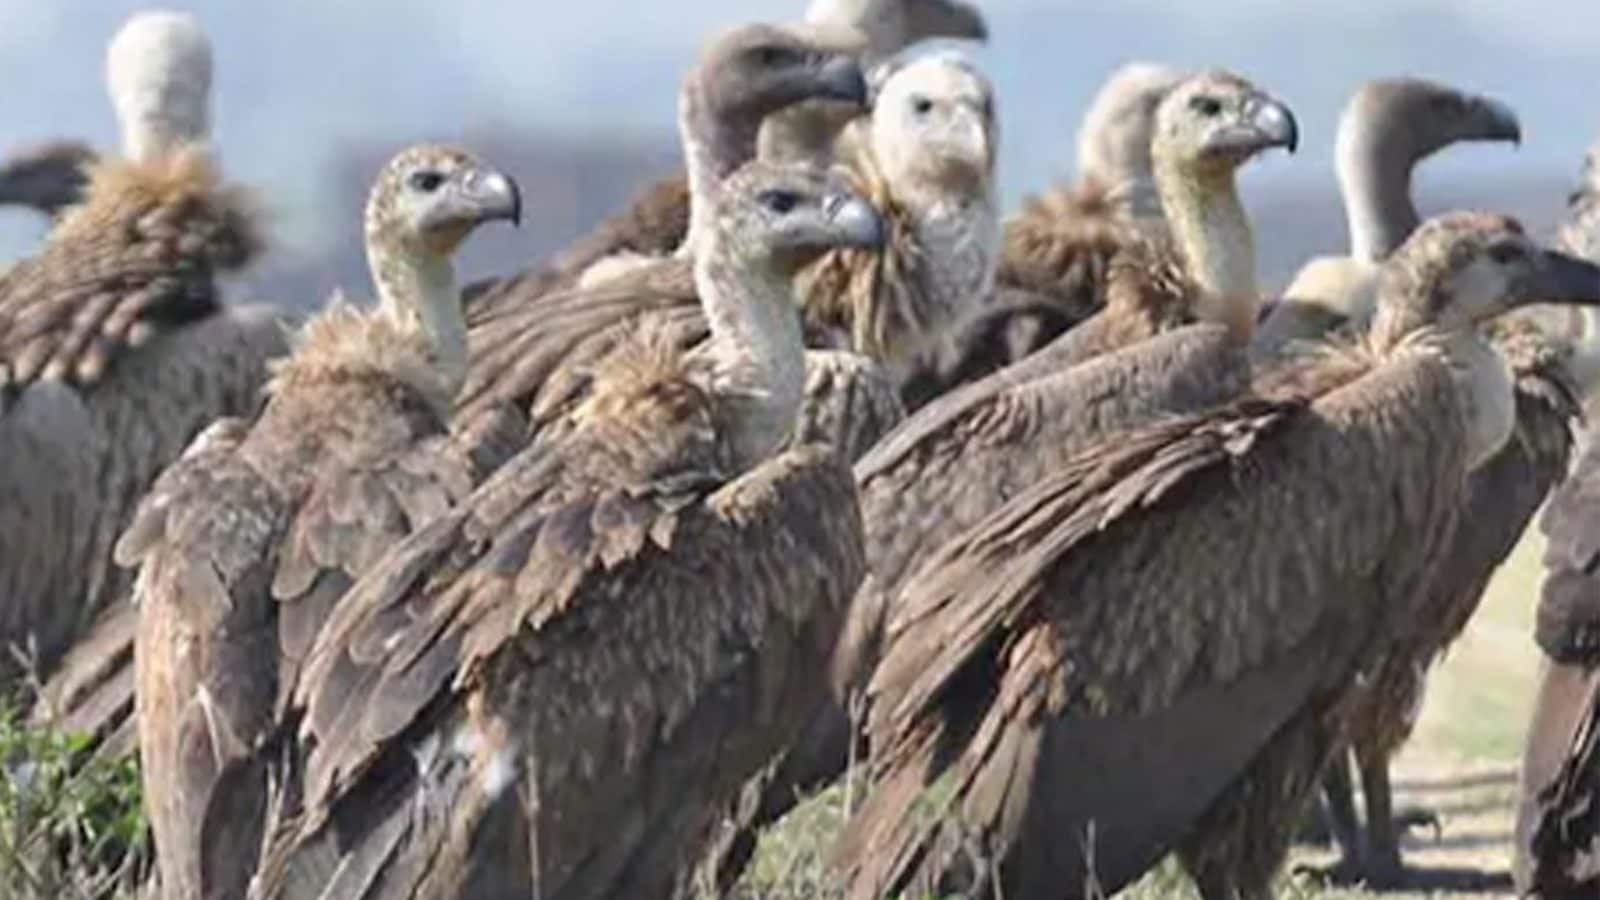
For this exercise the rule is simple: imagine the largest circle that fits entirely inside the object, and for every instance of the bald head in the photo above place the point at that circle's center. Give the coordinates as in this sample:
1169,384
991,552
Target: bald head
1114,138
746,73
933,125
158,72
892,25
1389,126
778,218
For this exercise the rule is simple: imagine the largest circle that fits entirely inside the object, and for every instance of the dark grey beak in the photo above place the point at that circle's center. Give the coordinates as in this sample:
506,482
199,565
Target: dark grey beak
1495,121
945,19
840,78
493,195
1559,278
855,223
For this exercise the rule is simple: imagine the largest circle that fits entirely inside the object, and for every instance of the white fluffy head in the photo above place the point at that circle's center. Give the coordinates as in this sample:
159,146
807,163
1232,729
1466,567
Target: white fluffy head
158,72
933,123
1114,138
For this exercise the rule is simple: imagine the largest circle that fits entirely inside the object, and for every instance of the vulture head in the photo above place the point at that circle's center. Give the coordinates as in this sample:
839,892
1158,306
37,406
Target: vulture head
775,220
1397,122
1114,137
754,70
158,72
46,177
428,198
1462,269
892,25
933,124
1214,122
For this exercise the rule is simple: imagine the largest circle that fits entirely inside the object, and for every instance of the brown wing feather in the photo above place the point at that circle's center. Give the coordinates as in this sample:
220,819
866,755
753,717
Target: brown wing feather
1097,557
138,257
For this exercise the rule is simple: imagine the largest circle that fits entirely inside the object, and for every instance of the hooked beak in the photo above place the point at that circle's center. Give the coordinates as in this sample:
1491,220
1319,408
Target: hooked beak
1267,123
854,222
1560,278
494,195
840,78
1494,121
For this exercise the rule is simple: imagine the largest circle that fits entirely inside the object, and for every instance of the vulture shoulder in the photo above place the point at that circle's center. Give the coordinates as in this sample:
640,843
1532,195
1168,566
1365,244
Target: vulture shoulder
1060,246
1043,653
609,623
138,257
1568,620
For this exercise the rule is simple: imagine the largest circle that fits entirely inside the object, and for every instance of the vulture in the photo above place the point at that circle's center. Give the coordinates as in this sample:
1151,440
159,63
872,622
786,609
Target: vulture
657,223
48,177
1557,823
926,160
1167,344
246,544
1387,128
1147,648
554,689
1056,252
117,343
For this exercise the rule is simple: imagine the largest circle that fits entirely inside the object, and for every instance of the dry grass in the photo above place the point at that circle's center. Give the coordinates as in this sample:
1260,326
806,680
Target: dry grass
1461,763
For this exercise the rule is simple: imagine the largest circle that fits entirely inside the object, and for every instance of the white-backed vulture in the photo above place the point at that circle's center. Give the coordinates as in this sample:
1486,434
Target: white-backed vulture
1558,820
247,543
1141,651
931,175
1056,251
950,464
1387,128
117,345
48,177
554,690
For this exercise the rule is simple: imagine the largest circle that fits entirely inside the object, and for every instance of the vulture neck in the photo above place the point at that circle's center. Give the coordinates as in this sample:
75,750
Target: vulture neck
1483,379
1212,233
714,145
756,352
417,291
1375,179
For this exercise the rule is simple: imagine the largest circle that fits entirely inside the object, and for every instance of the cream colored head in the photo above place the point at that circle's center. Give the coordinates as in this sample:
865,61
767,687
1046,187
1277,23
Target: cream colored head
158,72
933,125
1114,137
1214,122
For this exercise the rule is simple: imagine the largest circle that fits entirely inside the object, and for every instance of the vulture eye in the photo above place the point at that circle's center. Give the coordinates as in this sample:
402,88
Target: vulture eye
778,201
773,56
1205,106
1505,253
426,182
921,105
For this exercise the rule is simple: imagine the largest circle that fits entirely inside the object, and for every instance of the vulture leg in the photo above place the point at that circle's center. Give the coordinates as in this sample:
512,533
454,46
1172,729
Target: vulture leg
1339,804
1382,866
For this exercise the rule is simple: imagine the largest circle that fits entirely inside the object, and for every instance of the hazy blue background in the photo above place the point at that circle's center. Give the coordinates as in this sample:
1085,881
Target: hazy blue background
577,98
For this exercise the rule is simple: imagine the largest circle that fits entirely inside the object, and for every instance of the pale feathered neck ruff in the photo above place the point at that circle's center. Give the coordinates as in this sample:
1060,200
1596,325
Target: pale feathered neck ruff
343,343
182,191
874,296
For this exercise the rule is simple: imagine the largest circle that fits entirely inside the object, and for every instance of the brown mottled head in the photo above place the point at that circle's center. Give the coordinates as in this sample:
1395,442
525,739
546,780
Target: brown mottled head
47,177
754,70
1460,269
1407,119
430,197
1218,121
779,218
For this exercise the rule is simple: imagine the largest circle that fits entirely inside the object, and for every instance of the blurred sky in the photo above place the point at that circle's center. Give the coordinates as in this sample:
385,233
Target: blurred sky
297,79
